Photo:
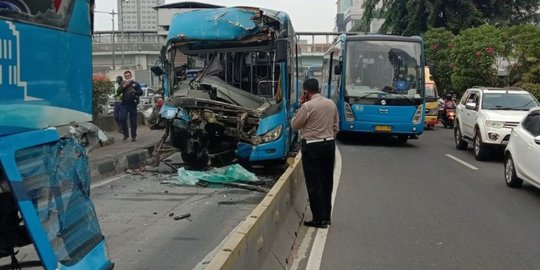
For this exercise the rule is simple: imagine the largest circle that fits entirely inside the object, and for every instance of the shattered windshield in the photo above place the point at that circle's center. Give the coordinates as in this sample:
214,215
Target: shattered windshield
388,68
51,13
249,79
57,180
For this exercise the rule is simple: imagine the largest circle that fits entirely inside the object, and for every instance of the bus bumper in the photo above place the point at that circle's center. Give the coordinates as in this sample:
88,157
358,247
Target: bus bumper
382,128
275,150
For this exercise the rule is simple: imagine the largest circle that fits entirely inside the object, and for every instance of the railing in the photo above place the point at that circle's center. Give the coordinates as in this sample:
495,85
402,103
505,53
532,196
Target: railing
316,42
108,41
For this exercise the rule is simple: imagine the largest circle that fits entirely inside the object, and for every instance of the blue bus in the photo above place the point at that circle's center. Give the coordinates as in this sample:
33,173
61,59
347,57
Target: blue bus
314,71
240,104
46,83
377,82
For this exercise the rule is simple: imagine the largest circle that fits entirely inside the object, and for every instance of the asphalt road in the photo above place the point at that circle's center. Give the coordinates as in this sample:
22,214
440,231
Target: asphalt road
412,207
137,217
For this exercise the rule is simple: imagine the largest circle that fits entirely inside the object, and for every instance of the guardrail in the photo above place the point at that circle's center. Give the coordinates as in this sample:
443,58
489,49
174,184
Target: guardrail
265,239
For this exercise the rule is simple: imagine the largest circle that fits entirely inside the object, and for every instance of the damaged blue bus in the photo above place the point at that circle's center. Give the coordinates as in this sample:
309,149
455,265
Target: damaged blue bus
377,82
46,83
240,104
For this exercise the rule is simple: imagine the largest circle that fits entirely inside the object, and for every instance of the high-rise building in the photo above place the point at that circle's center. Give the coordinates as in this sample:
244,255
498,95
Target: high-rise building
350,13
138,15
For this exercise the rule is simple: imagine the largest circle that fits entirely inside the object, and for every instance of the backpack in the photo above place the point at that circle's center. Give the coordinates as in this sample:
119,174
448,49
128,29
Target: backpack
130,96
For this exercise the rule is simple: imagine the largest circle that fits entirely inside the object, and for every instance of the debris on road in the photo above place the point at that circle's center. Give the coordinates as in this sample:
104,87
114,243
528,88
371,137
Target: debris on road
182,217
233,173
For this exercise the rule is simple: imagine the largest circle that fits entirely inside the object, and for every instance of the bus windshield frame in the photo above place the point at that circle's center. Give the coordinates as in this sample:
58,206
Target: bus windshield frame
388,68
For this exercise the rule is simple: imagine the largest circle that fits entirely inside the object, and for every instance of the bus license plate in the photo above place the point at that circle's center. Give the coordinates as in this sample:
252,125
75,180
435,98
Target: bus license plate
383,128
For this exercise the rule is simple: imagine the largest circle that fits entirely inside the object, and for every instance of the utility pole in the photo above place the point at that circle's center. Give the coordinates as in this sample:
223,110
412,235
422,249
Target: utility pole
121,15
112,13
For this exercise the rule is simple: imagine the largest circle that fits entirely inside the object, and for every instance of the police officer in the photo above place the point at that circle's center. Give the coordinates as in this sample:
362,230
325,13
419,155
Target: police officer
318,119
130,91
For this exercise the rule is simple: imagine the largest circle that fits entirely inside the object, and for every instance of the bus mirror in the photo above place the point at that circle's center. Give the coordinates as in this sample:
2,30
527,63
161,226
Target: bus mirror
281,50
337,69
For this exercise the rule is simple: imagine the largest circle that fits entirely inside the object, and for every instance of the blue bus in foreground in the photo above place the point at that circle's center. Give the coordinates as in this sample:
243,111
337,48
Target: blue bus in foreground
377,82
45,83
242,100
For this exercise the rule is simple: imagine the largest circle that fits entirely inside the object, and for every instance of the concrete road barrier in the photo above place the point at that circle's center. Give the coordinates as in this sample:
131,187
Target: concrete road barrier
265,239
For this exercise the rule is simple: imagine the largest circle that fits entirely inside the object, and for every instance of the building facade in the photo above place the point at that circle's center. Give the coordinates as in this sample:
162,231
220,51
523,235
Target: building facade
138,15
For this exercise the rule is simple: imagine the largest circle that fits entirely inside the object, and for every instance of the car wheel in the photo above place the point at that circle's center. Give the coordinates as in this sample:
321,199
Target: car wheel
510,176
480,149
458,138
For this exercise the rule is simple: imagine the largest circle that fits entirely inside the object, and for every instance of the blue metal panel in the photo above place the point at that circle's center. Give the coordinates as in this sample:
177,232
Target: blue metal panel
384,114
94,260
219,24
81,12
40,87
270,151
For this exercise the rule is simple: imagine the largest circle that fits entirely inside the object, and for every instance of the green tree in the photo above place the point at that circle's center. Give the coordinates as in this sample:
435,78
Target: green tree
414,17
102,87
522,52
474,54
438,47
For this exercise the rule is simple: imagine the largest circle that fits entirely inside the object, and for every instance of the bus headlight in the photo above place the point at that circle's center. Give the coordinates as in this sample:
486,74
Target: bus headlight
272,135
349,114
269,136
417,118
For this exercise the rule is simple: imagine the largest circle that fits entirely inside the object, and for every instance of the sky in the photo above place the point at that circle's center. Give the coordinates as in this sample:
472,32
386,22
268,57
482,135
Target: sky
306,15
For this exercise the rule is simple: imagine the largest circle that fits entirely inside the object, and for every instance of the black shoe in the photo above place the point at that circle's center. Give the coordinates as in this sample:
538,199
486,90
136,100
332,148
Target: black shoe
315,224
133,140
125,138
327,222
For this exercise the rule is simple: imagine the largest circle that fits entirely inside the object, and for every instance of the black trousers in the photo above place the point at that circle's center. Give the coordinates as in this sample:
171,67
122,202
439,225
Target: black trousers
318,162
129,112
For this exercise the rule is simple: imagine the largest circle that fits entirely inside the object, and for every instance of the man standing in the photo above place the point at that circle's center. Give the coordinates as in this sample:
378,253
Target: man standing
130,92
318,119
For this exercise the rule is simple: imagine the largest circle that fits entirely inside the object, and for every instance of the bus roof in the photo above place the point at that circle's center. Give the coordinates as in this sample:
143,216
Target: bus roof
226,24
383,37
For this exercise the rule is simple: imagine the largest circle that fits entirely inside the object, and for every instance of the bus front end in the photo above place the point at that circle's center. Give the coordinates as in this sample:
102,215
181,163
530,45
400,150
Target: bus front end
383,86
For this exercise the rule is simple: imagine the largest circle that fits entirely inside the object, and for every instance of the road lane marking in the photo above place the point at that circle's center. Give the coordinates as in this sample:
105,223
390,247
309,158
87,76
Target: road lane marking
315,257
462,162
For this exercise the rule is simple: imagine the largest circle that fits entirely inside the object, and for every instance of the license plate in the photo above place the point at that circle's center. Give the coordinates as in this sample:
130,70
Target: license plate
383,128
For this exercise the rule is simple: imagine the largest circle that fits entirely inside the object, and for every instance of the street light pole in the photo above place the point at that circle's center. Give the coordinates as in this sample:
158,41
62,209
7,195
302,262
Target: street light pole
121,15
113,36
112,13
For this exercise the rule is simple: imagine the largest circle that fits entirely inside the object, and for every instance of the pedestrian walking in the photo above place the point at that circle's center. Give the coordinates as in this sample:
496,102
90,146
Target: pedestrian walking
130,91
318,120
118,104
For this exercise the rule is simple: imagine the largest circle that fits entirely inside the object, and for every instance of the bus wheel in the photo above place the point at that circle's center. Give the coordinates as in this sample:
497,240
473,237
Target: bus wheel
402,139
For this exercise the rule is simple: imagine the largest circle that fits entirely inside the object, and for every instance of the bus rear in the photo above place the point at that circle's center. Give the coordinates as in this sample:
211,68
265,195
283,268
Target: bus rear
380,84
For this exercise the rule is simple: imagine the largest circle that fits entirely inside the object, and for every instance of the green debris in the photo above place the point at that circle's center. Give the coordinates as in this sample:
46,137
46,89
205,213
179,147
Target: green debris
228,174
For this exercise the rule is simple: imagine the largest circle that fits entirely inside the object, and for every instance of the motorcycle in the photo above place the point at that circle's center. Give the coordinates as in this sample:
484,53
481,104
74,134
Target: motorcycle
448,117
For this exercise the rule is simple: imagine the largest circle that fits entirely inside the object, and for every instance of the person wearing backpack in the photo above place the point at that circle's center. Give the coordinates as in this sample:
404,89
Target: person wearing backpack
129,91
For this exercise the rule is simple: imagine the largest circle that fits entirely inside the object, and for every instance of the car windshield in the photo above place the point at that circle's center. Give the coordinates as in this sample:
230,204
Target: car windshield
389,68
508,101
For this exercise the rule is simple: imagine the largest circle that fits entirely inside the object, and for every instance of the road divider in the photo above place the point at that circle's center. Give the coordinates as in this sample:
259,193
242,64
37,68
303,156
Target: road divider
265,238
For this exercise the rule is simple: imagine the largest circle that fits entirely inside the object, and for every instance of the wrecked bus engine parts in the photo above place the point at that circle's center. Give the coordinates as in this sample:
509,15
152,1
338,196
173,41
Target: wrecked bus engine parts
230,84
